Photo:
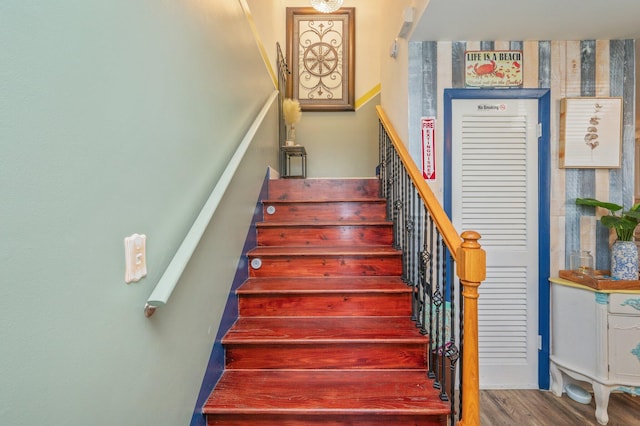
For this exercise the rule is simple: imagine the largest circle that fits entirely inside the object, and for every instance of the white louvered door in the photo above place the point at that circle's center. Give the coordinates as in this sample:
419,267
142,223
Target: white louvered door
495,192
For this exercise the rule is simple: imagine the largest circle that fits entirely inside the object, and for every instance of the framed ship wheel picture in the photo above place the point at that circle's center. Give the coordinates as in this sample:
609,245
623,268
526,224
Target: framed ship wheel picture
321,55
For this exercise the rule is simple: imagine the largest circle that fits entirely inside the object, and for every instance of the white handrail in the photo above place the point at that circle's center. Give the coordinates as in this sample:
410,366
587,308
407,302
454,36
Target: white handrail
176,267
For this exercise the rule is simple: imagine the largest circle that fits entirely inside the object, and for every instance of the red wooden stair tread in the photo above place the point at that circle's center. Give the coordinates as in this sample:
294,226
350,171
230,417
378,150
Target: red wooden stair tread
323,201
323,189
372,250
329,391
324,285
323,223
288,330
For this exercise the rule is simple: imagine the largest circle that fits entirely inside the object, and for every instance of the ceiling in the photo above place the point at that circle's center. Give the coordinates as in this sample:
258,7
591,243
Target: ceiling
477,20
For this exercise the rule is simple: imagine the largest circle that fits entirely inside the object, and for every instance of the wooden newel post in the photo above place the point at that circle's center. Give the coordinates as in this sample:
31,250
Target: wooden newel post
472,270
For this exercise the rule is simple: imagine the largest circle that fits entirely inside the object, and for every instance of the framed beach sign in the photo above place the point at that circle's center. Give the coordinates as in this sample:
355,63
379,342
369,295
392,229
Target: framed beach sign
590,132
321,55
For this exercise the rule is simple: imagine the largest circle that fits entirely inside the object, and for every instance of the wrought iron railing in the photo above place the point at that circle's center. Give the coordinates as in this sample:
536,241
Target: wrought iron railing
283,75
444,303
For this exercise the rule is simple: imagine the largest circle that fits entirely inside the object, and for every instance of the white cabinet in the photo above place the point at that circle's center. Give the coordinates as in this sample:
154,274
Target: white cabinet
595,337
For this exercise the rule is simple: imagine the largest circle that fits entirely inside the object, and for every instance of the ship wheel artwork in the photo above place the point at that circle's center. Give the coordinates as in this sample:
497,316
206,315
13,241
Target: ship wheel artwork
320,75
320,48
320,59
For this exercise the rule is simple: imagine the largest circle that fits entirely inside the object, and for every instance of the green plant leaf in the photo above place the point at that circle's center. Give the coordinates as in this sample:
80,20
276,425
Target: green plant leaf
595,203
613,221
624,224
633,214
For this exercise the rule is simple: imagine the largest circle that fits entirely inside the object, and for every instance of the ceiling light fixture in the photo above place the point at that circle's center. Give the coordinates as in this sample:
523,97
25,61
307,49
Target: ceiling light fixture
326,6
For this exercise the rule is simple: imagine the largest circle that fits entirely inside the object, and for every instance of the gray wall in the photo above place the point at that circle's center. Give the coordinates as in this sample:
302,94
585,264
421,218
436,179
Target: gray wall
341,144
118,117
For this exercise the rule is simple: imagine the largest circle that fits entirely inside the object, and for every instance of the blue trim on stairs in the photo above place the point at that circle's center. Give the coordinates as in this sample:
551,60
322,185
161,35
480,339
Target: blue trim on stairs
215,367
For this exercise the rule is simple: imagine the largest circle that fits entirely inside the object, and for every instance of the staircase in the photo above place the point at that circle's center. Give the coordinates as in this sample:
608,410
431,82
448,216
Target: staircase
324,335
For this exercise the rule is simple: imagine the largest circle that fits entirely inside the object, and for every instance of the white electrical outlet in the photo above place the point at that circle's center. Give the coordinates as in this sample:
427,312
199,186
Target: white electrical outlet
135,256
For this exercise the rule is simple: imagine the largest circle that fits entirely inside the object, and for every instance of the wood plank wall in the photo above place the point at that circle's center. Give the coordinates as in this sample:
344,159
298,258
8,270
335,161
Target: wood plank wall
569,69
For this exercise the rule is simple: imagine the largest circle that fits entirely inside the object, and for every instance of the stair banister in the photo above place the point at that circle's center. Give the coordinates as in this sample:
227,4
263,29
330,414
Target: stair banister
176,267
472,271
470,260
449,233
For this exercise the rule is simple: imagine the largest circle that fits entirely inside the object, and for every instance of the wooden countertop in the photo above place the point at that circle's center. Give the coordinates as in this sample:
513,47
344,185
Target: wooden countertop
569,283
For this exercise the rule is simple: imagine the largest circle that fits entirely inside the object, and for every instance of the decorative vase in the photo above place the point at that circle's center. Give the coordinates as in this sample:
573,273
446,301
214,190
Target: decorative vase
582,262
624,260
291,135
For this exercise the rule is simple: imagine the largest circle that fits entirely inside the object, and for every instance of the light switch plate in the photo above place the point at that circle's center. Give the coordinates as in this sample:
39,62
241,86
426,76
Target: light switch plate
135,255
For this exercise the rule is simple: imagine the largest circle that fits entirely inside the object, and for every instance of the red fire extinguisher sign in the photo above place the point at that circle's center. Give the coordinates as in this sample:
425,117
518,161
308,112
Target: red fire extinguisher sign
428,126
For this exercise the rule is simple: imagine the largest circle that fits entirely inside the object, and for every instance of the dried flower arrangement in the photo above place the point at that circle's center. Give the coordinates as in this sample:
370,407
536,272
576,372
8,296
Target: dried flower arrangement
292,114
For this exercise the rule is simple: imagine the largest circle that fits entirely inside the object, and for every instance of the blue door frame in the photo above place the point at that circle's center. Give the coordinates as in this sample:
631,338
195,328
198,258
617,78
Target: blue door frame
544,187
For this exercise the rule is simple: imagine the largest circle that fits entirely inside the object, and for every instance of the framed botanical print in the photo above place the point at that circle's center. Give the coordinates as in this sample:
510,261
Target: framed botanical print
321,55
590,132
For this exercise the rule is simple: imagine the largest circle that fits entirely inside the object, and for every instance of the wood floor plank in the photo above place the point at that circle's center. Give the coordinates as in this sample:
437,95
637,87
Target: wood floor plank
542,408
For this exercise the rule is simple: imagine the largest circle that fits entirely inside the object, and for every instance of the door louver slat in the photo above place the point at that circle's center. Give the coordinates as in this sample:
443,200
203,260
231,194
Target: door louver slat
487,162
494,202
503,316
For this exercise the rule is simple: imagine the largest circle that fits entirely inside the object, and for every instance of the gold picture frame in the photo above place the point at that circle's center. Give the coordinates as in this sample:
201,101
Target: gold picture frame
591,132
321,56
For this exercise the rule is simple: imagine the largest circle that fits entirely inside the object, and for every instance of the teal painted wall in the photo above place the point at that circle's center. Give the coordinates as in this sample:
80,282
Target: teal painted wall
118,117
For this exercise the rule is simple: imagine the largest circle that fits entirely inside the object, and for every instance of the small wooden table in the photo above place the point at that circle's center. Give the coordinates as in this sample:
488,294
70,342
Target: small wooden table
294,151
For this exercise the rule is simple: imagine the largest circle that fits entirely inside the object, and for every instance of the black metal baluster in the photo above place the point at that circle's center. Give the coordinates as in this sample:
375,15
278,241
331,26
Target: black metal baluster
381,159
437,301
389,179
392,198
402,201
460,341
428,267
431,306
409,227
416,236
421,267
445,315
452,352
421,321
396,202
411,252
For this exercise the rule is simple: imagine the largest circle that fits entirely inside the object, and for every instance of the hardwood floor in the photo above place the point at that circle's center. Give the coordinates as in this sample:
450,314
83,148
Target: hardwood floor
542,408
